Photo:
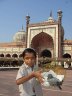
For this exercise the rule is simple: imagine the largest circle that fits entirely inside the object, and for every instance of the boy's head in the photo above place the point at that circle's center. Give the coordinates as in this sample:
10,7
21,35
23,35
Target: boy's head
29,56
29,50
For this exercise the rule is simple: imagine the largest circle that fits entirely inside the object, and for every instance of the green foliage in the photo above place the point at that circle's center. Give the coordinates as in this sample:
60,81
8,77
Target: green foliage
53,66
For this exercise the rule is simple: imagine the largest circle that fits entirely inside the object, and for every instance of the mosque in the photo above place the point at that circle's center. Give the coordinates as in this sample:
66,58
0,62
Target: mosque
46,37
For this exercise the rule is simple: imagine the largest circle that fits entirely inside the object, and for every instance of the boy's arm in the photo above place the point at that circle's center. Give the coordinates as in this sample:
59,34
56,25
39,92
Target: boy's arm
23,79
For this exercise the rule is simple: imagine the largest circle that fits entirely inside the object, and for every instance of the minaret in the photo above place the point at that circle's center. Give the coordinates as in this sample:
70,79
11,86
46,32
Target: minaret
59,16
59,33
27,22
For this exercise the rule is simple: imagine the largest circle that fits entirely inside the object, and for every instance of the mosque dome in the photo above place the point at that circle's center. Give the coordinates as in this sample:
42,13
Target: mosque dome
20,36
50,19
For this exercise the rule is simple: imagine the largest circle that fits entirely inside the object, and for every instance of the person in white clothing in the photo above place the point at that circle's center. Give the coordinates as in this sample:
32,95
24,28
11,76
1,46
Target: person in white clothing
29,81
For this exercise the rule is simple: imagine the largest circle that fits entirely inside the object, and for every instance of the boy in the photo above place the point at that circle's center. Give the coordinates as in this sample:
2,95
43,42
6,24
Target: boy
26,77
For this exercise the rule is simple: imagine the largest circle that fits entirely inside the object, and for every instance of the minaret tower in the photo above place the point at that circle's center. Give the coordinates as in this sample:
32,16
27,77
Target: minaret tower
27,23
59,33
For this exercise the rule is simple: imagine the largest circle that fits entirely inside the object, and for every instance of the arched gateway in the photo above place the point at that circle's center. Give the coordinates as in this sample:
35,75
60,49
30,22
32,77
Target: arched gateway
46,35
43,43
46,53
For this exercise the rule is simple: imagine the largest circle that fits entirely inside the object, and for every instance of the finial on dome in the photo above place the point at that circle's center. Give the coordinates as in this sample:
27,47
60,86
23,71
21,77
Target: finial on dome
22,27
50,19
51,13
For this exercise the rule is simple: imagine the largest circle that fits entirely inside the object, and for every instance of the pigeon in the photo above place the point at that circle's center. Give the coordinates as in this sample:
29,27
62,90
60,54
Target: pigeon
52,79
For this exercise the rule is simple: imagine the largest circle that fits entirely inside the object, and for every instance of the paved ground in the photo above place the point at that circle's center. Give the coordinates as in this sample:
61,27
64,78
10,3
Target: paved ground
8,86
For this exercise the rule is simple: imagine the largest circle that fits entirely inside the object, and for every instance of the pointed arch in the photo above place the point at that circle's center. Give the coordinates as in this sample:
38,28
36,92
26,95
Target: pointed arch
46,53
15,55
1,55
7,55
42,41
66,55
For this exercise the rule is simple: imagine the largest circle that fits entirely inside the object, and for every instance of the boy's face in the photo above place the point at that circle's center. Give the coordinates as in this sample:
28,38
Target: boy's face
29,59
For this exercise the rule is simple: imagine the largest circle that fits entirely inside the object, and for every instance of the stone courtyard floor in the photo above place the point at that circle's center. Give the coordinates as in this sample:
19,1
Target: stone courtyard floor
8,85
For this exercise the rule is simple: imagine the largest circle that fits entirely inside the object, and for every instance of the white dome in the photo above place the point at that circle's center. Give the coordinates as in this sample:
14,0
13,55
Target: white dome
50,19
20,36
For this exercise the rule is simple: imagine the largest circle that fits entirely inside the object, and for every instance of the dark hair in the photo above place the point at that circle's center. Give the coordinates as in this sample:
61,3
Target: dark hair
29,50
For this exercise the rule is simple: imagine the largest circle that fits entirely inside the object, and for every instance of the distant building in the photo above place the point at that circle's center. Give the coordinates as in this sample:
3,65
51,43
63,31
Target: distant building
14,48
46,37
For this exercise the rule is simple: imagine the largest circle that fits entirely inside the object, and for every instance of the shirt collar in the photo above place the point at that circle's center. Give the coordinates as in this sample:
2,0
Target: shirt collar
26,65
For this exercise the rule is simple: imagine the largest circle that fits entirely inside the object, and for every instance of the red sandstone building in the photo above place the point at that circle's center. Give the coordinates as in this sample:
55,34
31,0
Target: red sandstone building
46,37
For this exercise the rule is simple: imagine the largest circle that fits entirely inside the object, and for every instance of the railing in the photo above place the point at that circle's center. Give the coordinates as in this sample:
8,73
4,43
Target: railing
39,61
8,68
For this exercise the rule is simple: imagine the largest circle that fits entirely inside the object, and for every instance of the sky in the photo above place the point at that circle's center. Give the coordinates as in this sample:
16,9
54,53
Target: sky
13,15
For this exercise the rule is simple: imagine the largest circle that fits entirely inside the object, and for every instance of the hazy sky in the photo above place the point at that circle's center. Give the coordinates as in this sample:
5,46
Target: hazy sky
13,15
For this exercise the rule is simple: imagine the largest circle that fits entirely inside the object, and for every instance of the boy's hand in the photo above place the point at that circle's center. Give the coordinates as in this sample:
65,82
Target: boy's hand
38,75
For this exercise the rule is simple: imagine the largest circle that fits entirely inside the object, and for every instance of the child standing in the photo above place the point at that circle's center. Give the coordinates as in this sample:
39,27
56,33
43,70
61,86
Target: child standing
27,77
